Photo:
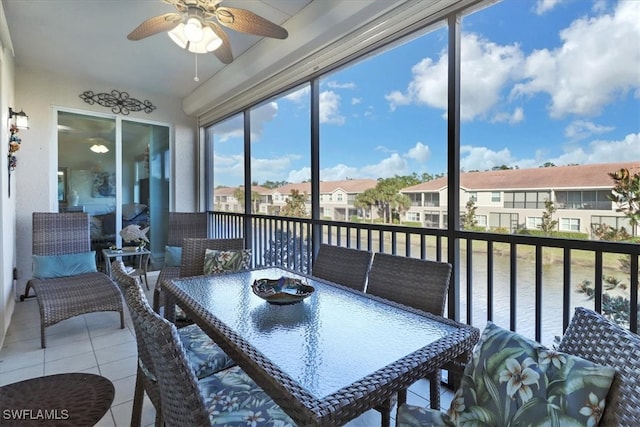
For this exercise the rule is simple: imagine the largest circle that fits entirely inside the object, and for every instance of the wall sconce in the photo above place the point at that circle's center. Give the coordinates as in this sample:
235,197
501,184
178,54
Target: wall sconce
22,120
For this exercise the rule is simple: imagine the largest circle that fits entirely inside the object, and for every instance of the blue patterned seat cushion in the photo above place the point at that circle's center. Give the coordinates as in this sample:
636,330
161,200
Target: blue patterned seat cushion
233,399
512,380
203,354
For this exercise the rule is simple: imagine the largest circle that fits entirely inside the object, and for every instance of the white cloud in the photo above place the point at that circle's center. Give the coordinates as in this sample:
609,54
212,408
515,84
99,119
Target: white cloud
330,108
487,68
512,118
229,129
335,85
392,165
234,127
299,175
299,95
602,151
356,101
543,6
338,172
579,76
419,152
229,170
276,169
483,158
581,129
598,151
261,115
384,149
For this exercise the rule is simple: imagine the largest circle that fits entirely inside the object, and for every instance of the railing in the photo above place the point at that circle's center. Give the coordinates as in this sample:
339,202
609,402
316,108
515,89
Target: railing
525,283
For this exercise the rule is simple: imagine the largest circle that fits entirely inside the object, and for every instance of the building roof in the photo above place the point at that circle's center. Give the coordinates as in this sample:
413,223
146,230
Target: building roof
346,185
228,191
557,177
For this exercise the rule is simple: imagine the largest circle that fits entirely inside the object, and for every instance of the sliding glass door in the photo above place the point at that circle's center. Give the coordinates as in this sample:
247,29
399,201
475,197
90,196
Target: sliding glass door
118,172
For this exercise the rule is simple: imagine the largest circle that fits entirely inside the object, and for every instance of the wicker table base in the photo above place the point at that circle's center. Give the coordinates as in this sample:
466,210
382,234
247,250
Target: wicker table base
72,399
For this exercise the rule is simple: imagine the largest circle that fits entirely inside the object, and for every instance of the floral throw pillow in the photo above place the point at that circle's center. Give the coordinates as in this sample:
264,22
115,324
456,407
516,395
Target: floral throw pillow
512,380
216,262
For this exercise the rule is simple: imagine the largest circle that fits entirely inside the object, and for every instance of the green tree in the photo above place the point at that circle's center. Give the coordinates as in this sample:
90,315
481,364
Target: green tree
238,193
469,217
626,194
366,200
548,165
548,224
274,184
295,205
388,198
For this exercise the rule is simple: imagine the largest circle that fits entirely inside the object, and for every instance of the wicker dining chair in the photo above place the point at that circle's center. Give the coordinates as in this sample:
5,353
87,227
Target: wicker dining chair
228,397
593,337
182,225
204,356
417,283
596,346
346,266
192,263
60,298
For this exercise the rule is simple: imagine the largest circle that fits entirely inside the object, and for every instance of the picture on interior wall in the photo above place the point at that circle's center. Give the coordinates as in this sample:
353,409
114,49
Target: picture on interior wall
63,177
104,184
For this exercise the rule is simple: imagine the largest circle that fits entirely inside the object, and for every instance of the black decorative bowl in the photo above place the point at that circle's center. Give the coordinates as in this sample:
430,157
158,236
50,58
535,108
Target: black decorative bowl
285,290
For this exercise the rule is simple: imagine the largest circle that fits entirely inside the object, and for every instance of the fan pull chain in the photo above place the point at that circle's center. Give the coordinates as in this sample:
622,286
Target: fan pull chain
196,79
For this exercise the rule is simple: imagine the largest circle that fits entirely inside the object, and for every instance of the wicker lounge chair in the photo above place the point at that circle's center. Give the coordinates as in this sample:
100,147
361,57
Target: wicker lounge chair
228,397
572,392
346,266
192,262
204,357
61,298
182,225
418,283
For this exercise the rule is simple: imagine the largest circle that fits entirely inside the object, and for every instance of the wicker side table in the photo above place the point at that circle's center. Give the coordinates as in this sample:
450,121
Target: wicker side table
72,399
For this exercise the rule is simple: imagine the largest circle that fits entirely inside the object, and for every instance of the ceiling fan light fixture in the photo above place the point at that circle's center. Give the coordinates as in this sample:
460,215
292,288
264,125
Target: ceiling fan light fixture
209,42
99,148
178,37
193,30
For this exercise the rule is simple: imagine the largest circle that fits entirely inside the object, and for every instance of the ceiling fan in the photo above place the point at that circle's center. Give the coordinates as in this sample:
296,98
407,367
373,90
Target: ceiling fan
195,26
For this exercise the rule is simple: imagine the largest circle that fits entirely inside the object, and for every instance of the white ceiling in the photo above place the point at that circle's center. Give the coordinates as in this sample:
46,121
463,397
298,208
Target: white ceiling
88,39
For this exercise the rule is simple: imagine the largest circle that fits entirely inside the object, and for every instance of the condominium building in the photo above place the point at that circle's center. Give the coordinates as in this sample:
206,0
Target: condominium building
515,198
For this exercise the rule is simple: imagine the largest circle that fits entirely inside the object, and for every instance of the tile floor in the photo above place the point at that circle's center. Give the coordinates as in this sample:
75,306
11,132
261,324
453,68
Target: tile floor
94,343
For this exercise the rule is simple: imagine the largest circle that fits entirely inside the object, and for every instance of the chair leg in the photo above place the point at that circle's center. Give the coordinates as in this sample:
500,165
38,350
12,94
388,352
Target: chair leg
43,338
138,400
434,389
402,397
26,292
386,419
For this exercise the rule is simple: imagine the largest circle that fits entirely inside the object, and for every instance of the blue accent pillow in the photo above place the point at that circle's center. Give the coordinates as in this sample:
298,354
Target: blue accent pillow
51,266
172,256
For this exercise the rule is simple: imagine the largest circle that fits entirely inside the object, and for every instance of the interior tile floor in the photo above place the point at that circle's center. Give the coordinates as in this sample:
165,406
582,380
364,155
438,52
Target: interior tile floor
94,343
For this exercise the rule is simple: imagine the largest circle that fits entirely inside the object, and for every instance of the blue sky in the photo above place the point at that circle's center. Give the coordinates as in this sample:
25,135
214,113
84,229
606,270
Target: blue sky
542,81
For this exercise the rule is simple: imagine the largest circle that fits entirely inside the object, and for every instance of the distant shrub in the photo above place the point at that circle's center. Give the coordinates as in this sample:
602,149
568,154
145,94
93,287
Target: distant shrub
556,234
411,223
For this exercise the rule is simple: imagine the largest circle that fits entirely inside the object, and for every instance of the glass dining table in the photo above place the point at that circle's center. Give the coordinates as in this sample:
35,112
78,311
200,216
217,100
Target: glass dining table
329,358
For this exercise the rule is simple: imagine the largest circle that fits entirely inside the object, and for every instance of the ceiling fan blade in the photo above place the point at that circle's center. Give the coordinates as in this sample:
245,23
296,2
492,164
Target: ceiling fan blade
223,53
245,21
158,24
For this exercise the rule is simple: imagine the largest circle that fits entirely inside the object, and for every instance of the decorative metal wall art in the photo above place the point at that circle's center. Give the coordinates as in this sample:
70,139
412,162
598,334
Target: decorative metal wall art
119,102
